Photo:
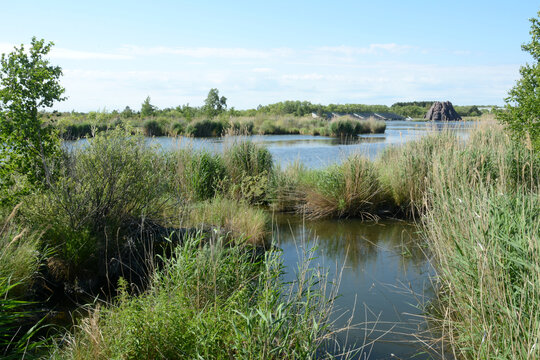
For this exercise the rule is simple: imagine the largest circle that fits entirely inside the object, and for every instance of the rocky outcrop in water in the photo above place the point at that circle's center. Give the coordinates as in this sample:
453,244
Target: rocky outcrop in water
442,111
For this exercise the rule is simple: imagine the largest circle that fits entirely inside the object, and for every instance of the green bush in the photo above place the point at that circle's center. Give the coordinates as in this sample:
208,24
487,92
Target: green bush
206,128
250,168
101,191
153,127
177,128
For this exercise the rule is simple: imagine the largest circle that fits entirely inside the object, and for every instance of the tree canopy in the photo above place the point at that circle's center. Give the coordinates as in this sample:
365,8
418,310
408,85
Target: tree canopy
28,83
147,109
214,105
522,111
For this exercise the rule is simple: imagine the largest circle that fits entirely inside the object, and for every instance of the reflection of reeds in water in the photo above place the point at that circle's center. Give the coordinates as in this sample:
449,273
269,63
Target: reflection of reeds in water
356,241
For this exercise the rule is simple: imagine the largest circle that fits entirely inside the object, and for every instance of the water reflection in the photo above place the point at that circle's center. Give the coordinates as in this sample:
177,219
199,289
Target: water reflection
384,271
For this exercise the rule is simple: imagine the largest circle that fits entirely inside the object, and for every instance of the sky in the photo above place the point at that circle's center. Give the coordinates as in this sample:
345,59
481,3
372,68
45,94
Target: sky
116,53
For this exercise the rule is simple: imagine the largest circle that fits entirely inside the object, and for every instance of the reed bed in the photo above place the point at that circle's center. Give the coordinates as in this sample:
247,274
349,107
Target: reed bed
212,302
482,226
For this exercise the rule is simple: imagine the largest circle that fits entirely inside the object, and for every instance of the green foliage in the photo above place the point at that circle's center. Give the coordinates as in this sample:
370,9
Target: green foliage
349,189
17,341
102,190
349,127
214,105
249,167
153,128
76,131
522,111
147,109
206,128
468,110
177,128
127,112
245,222
28,84
212,302
199,175
19,257
482,224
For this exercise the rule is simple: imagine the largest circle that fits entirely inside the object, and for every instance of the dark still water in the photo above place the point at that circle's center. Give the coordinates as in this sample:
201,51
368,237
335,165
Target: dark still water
384,278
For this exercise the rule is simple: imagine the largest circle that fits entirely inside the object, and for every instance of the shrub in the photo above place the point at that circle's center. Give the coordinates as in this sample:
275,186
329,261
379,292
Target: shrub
206,128
102,191
250,169
153,127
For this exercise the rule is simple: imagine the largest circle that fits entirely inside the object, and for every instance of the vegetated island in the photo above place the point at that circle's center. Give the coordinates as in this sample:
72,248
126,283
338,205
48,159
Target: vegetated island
215,119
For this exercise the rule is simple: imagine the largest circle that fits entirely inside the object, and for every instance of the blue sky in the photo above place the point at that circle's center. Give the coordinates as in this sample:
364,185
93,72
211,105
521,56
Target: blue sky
115,53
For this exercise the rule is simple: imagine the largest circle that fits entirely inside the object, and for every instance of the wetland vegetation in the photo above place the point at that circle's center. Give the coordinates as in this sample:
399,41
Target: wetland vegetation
173,254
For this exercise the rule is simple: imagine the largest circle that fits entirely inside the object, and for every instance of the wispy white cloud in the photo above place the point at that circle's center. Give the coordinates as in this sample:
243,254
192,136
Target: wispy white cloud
61,53
70,54
207,52
370,49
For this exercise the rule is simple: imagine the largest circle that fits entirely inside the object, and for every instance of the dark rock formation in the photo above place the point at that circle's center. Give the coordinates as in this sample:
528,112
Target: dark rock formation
442,111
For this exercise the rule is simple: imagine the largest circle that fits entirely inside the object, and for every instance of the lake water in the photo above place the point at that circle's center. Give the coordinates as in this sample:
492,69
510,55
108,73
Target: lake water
320,151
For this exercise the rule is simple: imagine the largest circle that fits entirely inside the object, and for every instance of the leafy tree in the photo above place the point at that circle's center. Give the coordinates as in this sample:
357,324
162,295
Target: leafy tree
214,105
147,109
127,112
28,83
522,110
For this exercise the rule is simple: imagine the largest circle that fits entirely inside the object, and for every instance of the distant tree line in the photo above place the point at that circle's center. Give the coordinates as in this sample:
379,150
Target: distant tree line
216,106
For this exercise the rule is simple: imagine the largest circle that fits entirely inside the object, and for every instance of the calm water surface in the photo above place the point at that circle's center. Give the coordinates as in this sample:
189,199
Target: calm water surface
384,278
320,151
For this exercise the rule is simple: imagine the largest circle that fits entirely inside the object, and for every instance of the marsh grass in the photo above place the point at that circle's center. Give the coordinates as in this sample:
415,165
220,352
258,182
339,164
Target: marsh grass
243,221
199,175
482,225
212,302
19,257
19,264
249,171
347,126
348,189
